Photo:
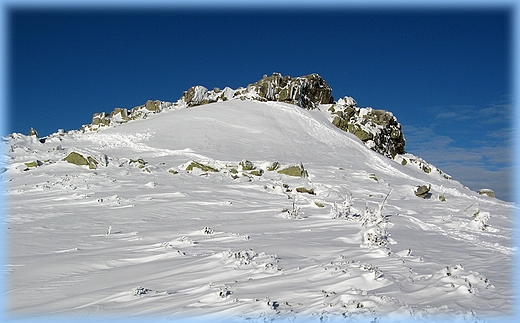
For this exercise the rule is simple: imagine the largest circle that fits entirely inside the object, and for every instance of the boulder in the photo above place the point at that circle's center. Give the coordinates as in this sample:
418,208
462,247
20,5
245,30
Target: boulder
205,168
296,170
423,191
33,164
78,159
33,132
246,165
154,106
274,166
305,190
487,192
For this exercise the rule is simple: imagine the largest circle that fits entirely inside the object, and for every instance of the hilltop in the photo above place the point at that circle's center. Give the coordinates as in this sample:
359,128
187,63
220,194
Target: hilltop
254,204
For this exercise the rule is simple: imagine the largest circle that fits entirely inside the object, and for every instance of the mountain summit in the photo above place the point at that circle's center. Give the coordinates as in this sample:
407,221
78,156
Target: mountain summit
378,129
271,202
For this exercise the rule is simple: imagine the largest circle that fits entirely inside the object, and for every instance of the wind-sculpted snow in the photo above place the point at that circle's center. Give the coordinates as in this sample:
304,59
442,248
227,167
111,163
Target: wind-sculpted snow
193,214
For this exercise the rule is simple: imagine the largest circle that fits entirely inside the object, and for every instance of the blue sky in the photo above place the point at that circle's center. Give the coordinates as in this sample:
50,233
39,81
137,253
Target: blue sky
445,73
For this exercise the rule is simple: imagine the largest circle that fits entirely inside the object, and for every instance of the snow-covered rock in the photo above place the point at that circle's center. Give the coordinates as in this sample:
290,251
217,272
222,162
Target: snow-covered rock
378,129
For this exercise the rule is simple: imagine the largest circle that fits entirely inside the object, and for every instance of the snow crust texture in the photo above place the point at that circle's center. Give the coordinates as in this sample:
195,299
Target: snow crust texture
246,211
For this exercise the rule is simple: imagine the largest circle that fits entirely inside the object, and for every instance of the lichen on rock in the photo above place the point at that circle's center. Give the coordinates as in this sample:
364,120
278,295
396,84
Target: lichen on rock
246,165
487,192
33,164
33,132
295,170
305,190
203,167
78,159
422,191
378,129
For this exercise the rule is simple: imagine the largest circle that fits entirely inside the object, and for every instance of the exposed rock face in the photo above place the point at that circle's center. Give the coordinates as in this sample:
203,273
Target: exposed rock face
306,91
378,129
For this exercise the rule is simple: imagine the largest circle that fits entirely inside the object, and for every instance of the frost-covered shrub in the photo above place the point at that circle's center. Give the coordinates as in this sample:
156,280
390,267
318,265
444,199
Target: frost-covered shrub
481,220
207,230
372,216
376,236
345,210
373,219
293,213
138,291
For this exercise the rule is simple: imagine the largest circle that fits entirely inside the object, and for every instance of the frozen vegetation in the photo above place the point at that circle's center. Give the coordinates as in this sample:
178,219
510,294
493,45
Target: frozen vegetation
246,211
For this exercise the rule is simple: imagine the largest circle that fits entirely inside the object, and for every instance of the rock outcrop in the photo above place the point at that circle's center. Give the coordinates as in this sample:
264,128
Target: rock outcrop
378,129
123,115
305,91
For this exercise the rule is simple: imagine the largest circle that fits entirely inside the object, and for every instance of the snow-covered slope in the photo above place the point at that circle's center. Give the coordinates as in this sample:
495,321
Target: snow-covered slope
186,214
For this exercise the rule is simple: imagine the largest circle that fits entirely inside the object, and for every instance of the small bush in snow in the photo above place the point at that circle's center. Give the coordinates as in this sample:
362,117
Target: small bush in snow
294,212
345,210
208,230
480,221
138,291
373,218
376,236
479,218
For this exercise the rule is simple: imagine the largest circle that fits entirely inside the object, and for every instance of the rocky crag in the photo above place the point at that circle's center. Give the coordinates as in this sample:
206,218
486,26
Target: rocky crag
377,129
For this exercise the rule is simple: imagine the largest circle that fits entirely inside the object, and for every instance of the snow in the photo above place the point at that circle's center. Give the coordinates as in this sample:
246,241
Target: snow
140,235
